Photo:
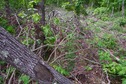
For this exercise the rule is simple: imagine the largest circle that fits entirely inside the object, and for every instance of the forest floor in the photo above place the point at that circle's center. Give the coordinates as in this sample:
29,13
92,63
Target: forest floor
99,32
84,48
98,27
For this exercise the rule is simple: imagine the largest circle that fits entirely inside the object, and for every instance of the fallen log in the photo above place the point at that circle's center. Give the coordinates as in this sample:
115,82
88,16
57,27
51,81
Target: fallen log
16,54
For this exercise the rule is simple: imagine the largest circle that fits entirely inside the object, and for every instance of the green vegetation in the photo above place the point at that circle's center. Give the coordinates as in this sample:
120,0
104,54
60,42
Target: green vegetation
78,36
25,79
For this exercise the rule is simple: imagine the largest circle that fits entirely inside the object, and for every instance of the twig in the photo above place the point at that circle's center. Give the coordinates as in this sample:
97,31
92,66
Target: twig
91,61
9,82
107,50
59,45
76,79
43,46
64,55
109,82
55,49
27,37
19,25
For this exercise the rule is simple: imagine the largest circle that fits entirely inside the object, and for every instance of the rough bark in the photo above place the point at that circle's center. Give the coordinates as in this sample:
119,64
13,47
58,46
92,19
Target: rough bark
26,61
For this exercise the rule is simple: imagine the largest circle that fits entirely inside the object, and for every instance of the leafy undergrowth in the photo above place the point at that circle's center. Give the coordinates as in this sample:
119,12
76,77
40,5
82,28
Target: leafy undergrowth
109,40
92,52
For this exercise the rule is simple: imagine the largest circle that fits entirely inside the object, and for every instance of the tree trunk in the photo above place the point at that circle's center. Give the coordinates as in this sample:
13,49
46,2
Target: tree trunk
43,12
27,62
39,34
7,8
123,8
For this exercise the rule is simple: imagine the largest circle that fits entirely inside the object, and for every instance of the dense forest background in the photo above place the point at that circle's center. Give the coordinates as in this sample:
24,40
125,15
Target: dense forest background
84,40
